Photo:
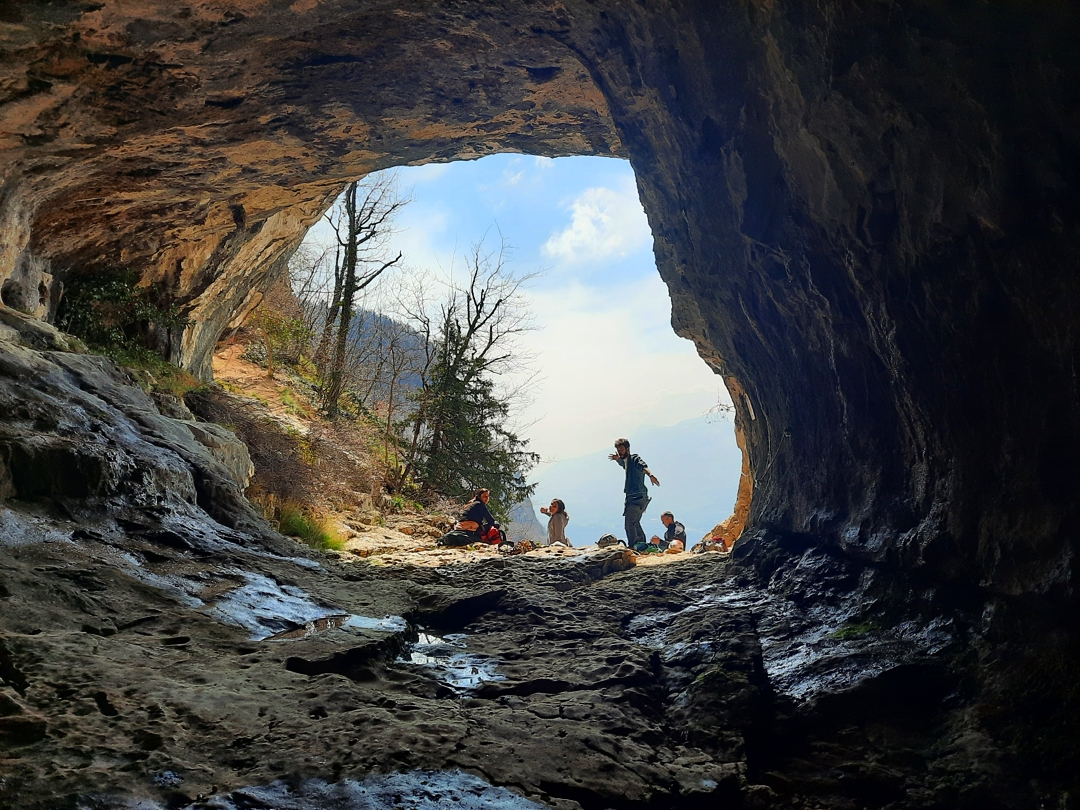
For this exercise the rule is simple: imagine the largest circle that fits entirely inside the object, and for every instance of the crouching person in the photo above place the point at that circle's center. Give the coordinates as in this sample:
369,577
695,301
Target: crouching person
674,539
475,525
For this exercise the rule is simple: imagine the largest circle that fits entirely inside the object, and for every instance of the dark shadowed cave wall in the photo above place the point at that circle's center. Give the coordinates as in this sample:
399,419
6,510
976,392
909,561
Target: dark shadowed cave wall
865,212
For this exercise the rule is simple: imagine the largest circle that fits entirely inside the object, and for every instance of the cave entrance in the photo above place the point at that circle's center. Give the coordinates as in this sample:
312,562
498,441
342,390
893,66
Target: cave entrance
602,360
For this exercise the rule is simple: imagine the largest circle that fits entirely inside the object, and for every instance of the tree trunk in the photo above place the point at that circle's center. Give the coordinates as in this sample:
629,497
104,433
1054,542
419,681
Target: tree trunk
348,291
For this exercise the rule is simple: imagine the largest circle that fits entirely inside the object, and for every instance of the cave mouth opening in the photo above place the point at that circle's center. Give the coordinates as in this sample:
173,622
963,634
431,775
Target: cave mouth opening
597,357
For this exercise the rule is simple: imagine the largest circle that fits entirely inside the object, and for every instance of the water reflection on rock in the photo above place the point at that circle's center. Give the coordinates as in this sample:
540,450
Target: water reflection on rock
346,621
412,790
264,607
445,658
805,649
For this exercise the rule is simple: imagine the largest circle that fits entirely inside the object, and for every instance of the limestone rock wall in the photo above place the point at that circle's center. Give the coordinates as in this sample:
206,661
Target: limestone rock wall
864,211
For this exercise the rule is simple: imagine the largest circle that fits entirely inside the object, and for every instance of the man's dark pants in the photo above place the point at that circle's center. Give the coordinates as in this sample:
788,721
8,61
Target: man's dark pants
634,509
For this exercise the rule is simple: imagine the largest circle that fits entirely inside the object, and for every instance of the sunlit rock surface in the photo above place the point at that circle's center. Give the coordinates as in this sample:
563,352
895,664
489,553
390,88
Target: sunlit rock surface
866,216
199,142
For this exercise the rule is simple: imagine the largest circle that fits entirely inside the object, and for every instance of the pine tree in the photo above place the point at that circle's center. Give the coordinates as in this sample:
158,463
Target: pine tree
469,445
461,439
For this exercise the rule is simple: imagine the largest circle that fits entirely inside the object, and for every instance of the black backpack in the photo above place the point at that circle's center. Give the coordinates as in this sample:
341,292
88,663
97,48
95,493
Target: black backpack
456,538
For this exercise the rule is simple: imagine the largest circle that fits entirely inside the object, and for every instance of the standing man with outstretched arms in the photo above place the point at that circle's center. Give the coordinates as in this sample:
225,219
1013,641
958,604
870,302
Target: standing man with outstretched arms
637,496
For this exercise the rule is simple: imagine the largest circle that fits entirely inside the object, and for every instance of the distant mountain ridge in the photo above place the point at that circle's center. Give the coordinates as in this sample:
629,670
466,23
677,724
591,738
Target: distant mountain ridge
524,524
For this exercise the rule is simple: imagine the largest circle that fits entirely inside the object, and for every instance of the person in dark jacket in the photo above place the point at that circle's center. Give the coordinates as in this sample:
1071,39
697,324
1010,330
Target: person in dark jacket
674,534
477,520
637,495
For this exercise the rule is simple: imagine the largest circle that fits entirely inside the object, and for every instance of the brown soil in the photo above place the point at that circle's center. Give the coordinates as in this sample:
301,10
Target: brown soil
247,378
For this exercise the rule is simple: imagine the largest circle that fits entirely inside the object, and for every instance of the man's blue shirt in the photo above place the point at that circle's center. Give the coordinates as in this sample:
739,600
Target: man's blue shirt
635,468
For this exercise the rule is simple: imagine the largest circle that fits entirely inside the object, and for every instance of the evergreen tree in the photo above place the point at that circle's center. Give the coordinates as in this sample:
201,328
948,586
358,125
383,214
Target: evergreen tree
461,438
469,445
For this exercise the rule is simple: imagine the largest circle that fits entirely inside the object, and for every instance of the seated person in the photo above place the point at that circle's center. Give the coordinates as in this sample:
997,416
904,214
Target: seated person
557,520
674,535
478,521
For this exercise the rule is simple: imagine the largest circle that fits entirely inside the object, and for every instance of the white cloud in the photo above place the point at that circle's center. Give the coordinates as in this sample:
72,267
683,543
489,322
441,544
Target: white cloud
610,363
605,224
419,232
510,177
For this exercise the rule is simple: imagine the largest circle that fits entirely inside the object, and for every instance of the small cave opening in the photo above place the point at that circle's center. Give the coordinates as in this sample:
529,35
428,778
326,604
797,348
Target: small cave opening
13,295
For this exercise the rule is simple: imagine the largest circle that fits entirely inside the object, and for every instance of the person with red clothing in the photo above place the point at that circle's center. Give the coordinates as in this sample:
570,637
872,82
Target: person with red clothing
477,520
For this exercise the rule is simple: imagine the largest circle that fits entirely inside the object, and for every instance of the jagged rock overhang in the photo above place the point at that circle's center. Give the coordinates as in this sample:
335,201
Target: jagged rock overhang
197,144
864,214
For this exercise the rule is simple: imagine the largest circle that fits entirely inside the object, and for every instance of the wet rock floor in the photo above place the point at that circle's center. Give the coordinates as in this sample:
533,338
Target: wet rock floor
161,648
177,678
140,672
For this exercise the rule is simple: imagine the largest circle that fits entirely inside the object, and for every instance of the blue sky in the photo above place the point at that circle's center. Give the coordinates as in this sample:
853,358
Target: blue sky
606,361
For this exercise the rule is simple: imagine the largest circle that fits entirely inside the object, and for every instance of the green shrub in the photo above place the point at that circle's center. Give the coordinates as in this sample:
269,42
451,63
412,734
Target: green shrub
317,532
292,404
399,503
153,373
284,339
109,310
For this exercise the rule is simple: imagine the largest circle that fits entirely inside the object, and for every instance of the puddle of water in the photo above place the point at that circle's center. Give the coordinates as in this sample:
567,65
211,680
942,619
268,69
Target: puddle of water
445,657
413,790
388,624
266,608
391,624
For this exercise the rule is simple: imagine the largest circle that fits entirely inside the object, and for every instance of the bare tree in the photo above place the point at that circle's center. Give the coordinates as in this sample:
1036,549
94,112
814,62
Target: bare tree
459,429
362,223
381,353
310,278
403,357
